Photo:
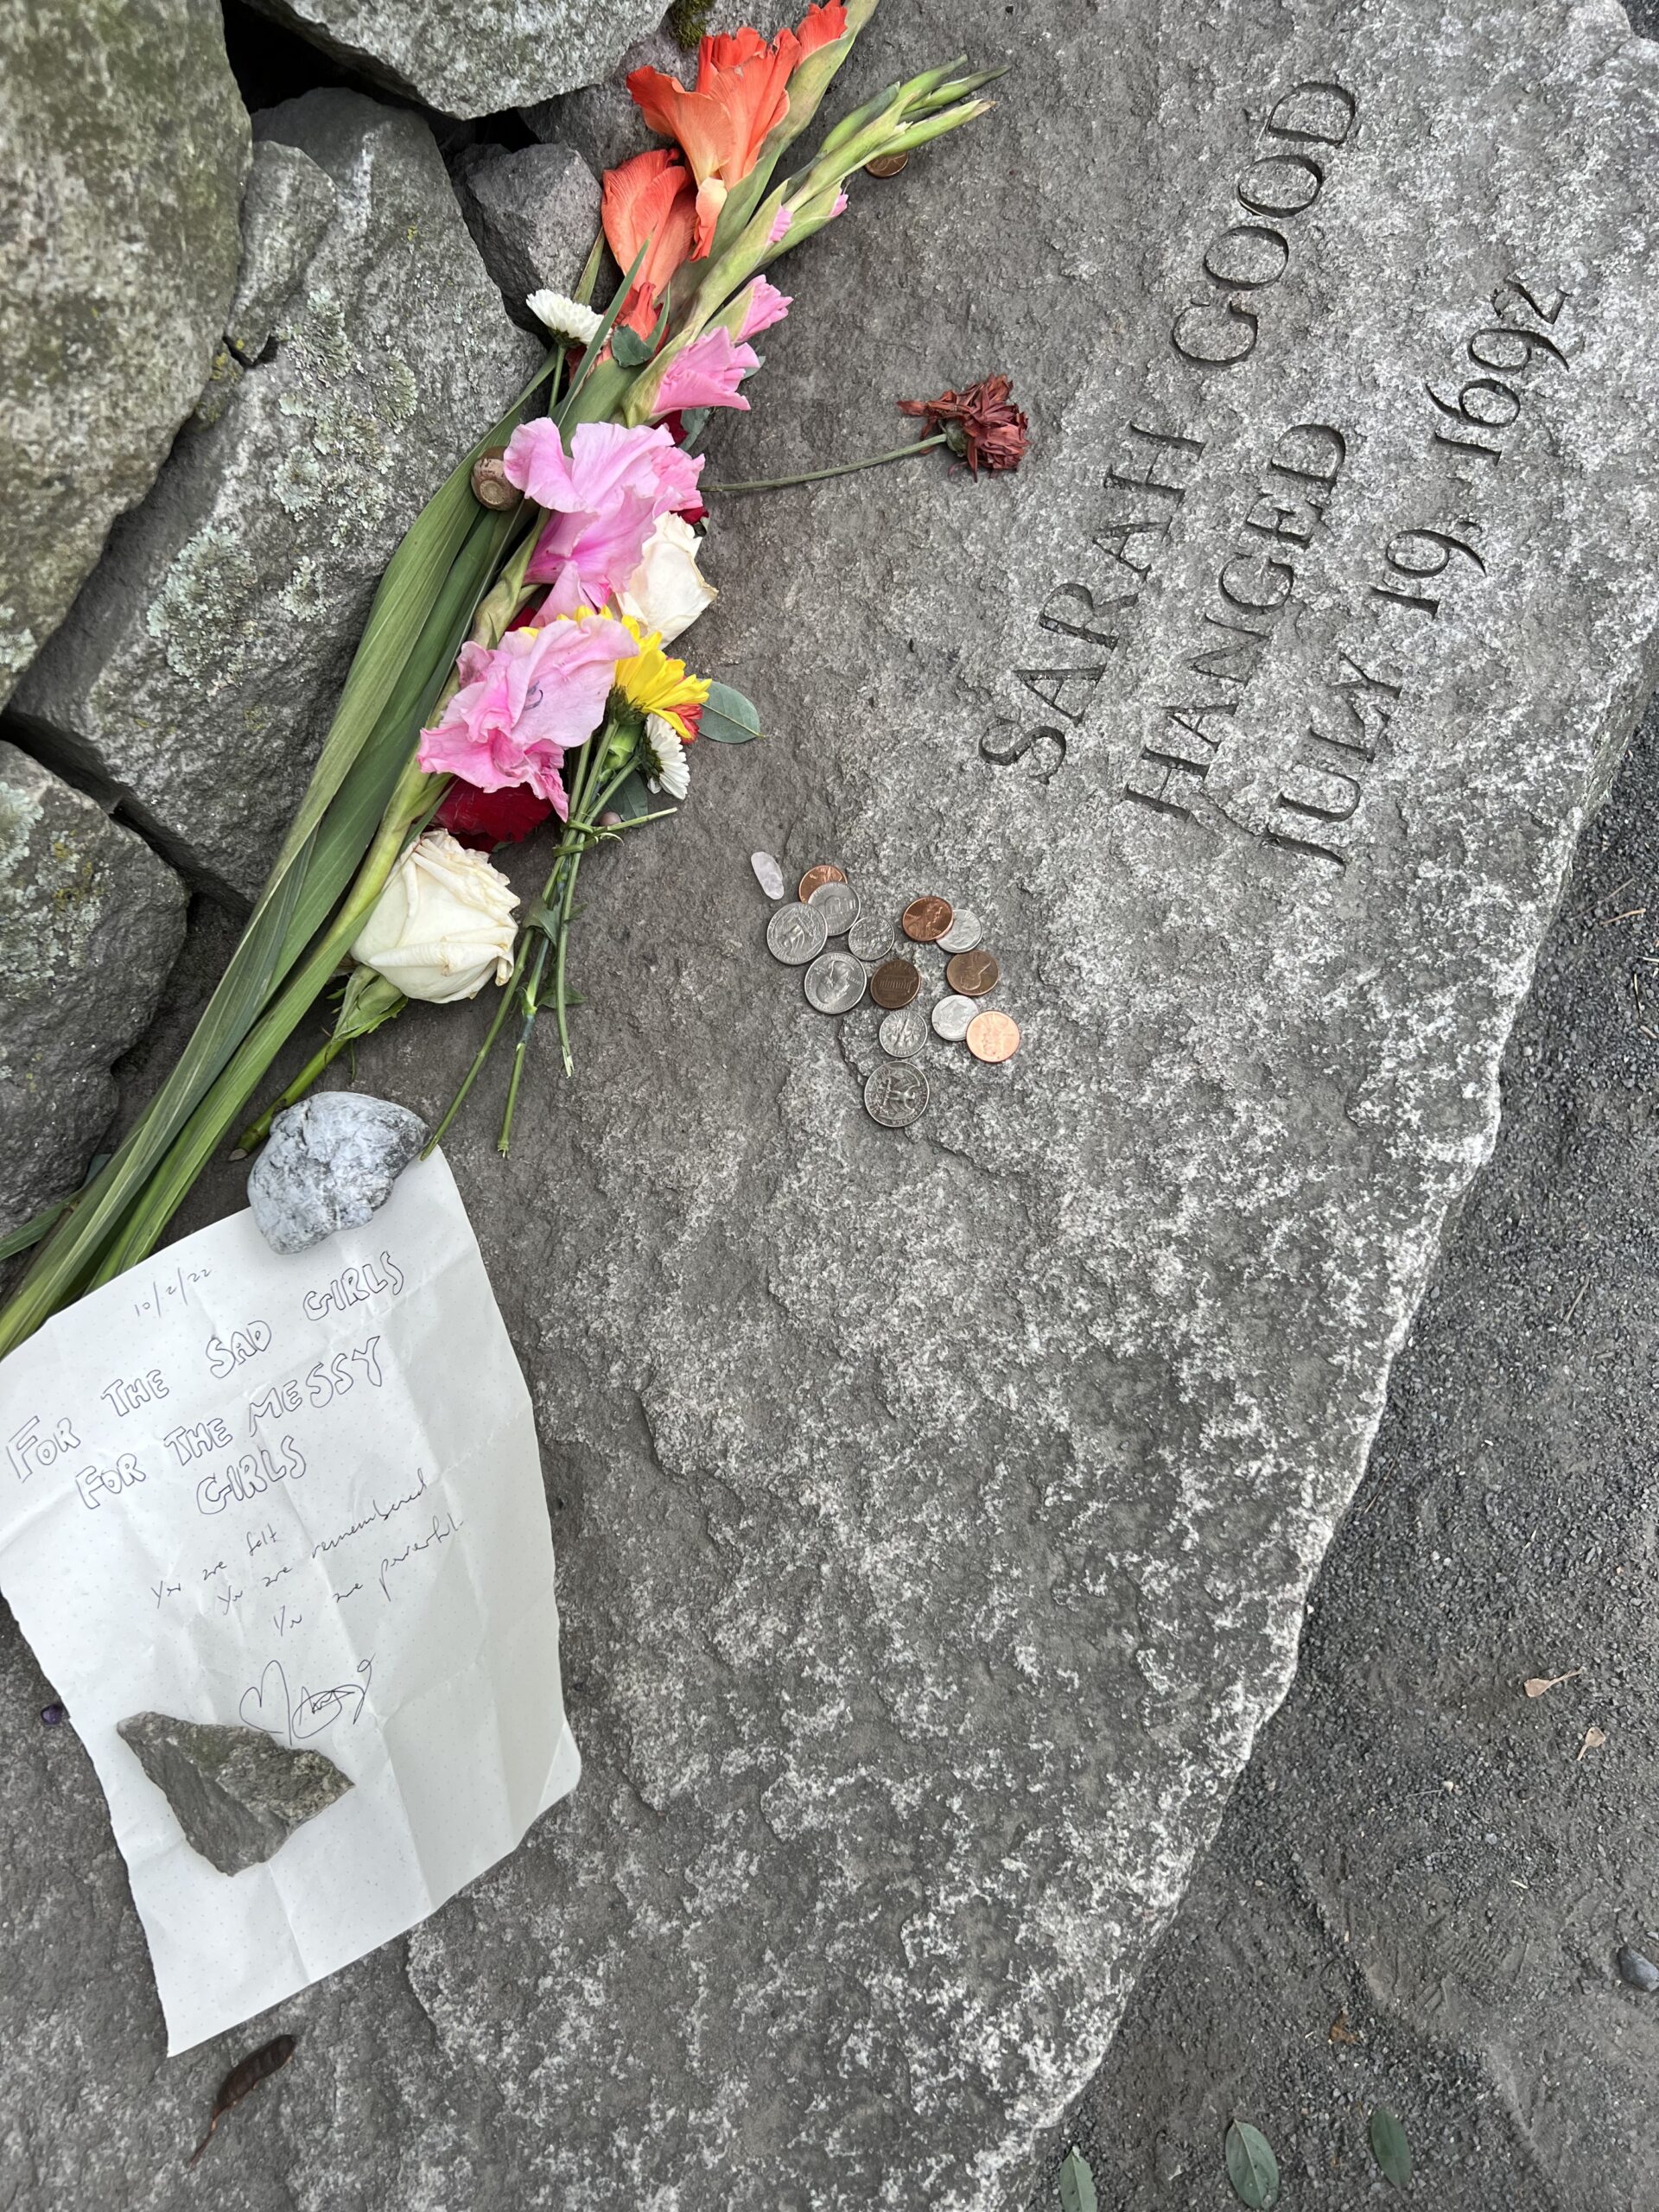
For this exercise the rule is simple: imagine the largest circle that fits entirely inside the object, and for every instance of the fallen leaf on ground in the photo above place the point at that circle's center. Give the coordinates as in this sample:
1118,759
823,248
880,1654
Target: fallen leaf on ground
1341,2032
258,2066
1077,2184
1540,1683
1389,2147
1251,2167
1593,1741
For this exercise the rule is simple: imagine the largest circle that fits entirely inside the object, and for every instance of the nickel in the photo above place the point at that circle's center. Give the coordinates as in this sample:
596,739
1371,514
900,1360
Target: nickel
824,872
895,982
964,934
896,1095
926,920
903,1034
795,935
952,1018
835,982
838,904
993,1038
973,974
869,939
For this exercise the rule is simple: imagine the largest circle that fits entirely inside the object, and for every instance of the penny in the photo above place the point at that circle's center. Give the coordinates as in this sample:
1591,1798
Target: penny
885,165
952,1017
825,872
838,904
835,982
927,919
896,1095
795,935
869,939
767,875
992,1037
963,933
903,1034
973,974
895,982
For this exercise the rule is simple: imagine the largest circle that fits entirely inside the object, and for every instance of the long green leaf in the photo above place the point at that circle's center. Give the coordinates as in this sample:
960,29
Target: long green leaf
1077,2184
1251,2167
1389,2147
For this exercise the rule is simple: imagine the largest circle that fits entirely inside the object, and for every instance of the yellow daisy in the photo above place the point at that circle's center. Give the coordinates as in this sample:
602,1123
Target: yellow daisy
652,682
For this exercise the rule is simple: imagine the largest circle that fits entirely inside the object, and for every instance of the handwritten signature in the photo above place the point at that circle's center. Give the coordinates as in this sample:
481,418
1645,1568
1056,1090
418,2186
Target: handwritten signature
271,1704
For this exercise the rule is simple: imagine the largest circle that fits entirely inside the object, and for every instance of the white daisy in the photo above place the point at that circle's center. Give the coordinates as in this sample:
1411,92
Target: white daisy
564,318
672,774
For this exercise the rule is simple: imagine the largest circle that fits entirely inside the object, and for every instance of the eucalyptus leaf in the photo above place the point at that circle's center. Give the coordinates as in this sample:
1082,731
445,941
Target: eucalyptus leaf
728,717
1251,2167
1077,2184
1390,2148
628,347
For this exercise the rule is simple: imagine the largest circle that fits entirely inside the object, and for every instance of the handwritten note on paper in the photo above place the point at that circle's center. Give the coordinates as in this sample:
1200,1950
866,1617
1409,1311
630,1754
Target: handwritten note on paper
302,1493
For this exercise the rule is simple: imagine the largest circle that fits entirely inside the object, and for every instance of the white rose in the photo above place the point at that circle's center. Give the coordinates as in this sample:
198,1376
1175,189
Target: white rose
443,926
668,591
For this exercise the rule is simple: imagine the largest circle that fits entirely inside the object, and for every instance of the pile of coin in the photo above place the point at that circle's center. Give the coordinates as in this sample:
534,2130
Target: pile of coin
873,960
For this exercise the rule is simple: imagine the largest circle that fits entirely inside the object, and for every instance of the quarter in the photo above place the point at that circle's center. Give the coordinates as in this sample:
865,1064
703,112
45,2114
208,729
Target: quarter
835,982
824,872
993,1038
838,904
903,1034
973,974
927,919
895,982
795,935
951,1018
896,1095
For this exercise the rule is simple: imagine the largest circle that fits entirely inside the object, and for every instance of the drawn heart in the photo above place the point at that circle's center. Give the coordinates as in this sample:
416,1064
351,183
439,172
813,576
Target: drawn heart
252,1711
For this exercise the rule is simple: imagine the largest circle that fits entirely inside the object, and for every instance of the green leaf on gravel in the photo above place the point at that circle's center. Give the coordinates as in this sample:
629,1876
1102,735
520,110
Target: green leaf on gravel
1251,2167
1077,2184
1392,2151
728,717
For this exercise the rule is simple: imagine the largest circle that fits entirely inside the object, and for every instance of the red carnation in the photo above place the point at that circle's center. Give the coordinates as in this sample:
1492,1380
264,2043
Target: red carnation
982,425
485,819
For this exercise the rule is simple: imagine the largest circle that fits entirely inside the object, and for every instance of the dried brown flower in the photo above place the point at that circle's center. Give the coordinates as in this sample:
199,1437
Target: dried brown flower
980,425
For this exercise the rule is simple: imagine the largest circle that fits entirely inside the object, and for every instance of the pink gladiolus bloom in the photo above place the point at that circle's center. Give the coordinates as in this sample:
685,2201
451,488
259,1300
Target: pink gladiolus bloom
767,305
840,207
523,705
603,501
707,374
781,223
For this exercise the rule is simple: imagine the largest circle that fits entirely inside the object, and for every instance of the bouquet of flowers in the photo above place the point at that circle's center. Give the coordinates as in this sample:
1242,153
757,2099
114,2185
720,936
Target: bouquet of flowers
516,670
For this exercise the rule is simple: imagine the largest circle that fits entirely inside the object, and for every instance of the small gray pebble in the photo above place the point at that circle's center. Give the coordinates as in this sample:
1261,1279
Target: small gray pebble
329,1163
1640,1973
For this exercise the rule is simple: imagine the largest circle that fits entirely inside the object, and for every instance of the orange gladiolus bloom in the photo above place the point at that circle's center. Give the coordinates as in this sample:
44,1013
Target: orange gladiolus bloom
742,93
650,198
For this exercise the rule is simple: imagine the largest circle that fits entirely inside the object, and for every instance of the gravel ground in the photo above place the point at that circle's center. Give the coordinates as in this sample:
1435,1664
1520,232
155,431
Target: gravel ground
1418,1851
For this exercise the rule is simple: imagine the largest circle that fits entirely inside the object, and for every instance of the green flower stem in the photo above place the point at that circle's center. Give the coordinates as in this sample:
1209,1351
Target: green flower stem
842,468
216,1115
370,1002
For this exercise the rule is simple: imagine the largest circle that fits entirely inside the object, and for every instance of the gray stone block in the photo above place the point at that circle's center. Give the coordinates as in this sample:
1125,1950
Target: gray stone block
477,60
237,1792
534,214
206,655
90,923
124,145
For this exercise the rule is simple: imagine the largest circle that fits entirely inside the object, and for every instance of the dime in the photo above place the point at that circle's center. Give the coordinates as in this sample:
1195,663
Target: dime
895,982
869,939
963,933
835,982
825,872
927,919
795,935
951,1018
973,974
885,165
903,1034
992,1037
896,1095
767,875
838,904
